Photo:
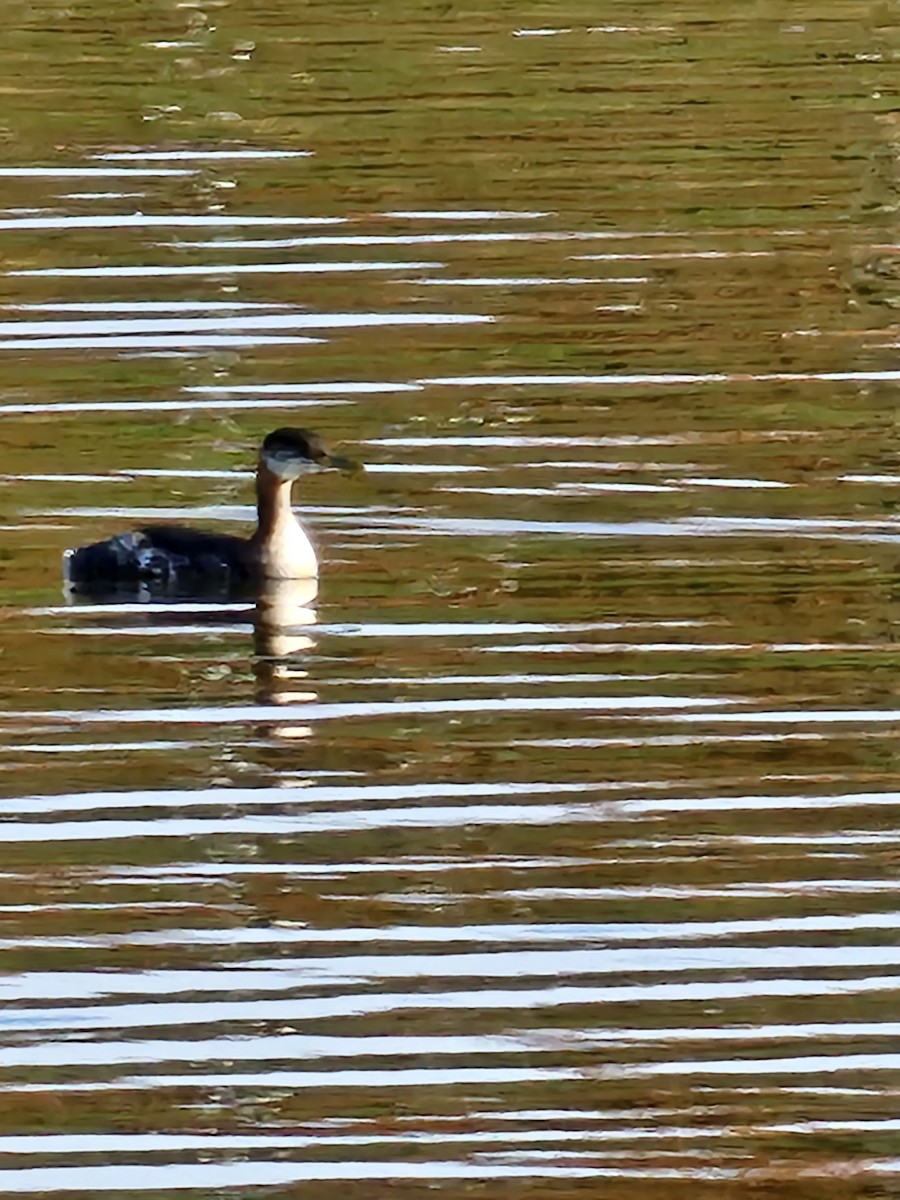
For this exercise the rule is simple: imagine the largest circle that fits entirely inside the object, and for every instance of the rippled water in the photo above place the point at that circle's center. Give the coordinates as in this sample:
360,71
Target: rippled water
551,848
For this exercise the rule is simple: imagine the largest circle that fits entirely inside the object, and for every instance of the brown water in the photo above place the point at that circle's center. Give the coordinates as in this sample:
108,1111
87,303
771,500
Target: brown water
552,848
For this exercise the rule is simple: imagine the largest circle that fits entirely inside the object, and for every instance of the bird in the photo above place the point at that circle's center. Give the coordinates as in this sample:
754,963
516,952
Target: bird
176,557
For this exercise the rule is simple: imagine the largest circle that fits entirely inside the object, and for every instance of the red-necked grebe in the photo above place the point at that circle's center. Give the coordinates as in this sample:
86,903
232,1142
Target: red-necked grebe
173,554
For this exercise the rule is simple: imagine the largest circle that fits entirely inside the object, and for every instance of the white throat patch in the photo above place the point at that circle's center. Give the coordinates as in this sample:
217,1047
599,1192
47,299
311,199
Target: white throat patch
286,465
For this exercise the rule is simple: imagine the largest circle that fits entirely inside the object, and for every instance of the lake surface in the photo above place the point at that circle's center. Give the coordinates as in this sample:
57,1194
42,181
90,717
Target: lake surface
551,849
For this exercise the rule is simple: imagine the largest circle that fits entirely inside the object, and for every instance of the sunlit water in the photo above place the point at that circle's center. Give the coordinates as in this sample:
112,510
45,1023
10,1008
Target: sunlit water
551,848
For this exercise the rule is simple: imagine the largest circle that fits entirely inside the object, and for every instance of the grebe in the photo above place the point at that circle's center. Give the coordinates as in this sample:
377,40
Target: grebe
173,555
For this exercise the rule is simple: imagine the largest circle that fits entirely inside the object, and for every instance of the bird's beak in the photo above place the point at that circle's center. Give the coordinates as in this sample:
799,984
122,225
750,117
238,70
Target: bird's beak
349,466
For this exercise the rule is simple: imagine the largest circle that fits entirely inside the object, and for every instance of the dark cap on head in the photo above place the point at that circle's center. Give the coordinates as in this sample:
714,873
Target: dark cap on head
290,452
299,443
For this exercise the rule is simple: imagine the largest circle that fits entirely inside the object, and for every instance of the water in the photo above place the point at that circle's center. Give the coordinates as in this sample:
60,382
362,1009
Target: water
550,848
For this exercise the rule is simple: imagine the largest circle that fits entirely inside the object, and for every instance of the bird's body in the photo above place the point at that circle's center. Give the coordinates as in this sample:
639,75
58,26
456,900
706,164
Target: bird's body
178,557
163,554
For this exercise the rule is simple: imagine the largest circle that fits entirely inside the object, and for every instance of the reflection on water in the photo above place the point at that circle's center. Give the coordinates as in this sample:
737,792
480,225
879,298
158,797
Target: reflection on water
549,846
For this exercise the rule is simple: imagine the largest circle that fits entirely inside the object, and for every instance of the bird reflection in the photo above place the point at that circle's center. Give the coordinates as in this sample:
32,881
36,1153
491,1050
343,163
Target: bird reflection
283,616
280,612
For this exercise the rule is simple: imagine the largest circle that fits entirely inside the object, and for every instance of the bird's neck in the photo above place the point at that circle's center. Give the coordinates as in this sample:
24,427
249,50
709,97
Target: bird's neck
273,505
280,548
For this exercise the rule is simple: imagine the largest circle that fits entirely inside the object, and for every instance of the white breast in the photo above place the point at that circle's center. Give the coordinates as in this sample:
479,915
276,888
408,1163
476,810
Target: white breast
288,553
